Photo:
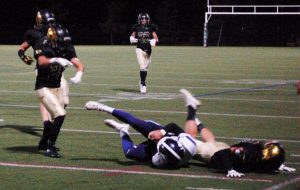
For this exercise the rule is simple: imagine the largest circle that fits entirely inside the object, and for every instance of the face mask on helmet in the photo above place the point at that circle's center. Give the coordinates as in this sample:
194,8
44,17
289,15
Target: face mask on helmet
143,18
172,151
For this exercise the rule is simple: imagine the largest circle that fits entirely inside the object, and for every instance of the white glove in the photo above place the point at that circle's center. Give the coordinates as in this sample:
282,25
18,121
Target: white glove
63,62
77,78
133,40
234,174
153,42
284,168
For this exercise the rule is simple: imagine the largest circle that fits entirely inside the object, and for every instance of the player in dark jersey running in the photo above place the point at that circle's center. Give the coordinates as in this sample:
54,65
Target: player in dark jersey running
53,53
144,35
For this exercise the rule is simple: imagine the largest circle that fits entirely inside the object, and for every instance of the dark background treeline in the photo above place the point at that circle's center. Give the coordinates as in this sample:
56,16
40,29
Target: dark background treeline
180,22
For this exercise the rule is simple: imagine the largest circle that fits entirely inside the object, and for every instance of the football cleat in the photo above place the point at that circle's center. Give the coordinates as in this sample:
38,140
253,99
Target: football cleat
92,105
51,152
143,89
190,100
43,146
117,126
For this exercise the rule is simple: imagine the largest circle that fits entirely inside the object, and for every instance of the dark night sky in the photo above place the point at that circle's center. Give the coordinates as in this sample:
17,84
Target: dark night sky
109,22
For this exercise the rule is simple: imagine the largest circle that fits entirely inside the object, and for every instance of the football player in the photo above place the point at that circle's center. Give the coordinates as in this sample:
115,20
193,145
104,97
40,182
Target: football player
166,146
258,156
44,20
144,35
251,156
53,53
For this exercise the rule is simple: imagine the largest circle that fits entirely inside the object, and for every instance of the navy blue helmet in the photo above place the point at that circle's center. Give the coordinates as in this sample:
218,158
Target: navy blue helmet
172,151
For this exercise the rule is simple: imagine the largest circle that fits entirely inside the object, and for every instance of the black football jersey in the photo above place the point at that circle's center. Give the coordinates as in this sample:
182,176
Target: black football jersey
144,35
249,157
50,75
32,37
246,156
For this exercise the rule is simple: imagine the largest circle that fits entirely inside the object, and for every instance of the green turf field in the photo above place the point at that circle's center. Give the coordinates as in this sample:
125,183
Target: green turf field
245,93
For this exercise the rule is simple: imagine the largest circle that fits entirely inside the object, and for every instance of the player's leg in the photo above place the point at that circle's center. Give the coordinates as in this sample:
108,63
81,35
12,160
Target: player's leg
143,61
141,152
49,98
142,126
193,125
43,143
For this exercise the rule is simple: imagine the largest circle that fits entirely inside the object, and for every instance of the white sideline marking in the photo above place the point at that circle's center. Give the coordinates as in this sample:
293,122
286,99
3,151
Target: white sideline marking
283,184
173,112
133,133
128,172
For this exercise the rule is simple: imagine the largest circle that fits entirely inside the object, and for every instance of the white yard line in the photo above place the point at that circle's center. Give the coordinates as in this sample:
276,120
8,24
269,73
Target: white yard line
174,112
167,95
137,172
163,86
283,184
133,133
200,188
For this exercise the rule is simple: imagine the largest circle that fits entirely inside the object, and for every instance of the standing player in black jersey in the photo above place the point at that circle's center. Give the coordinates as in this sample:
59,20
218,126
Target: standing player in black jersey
44,20
53,53
144,34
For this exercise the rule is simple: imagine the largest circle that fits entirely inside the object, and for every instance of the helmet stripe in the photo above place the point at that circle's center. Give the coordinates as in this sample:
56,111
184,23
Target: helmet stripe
172,151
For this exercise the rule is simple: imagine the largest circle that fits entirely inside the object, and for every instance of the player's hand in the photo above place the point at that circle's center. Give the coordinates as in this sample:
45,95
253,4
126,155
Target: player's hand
284,168
234,174
153,42
133,40
77,78
155,135
63,62
27,59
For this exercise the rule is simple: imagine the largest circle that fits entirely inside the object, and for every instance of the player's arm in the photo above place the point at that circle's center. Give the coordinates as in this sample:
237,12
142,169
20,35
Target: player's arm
21,53
223,160
132,38
80,69
43,61
169,130
154,40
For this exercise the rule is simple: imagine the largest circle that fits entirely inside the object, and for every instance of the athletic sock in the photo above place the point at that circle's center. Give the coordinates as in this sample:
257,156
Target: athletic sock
47,126
55,129
191,115
200,127
143,75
